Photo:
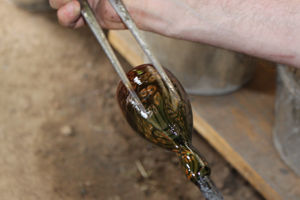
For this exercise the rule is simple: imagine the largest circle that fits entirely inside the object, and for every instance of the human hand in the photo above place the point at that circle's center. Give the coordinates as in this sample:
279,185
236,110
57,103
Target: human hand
149,15
68,13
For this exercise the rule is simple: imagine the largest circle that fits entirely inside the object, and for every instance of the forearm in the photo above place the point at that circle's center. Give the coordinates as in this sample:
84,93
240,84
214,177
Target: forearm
265,28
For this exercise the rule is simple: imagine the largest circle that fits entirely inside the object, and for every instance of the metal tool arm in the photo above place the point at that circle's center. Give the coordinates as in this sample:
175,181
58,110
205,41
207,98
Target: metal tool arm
91,20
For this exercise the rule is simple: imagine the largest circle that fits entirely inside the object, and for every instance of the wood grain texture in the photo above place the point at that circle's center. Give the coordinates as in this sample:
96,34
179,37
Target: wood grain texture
239,126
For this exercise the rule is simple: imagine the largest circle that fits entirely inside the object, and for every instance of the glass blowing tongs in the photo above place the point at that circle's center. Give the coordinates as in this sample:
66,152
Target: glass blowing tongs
121,10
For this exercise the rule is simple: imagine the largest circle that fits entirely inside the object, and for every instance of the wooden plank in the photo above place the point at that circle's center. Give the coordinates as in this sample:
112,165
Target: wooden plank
239,126
243,123
125,44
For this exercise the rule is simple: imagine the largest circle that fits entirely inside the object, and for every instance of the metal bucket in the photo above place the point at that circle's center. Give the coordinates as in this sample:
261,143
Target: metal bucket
286,133
202,69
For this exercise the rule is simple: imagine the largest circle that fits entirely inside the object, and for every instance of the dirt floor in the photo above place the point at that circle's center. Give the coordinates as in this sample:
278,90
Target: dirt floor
62,135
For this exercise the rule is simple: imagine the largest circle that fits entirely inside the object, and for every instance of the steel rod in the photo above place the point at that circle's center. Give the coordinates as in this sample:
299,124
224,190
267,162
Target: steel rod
92,22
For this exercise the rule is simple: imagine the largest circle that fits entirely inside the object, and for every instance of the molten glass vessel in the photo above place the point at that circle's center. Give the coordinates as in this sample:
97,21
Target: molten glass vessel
168,122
